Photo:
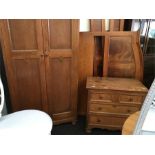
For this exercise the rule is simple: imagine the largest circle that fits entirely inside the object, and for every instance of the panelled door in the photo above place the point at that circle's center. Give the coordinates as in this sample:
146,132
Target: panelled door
61,44
22,43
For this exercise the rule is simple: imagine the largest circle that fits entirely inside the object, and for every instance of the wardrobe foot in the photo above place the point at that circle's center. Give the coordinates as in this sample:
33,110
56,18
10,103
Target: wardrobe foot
88,130
74,122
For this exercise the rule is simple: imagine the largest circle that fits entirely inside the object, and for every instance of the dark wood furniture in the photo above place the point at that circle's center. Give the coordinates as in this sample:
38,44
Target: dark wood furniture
41,65
112,100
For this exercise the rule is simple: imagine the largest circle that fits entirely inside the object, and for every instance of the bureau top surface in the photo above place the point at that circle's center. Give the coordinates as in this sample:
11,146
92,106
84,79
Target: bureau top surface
106,83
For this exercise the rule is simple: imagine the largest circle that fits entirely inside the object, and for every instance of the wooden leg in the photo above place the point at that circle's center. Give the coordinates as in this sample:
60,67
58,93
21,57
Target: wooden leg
74,122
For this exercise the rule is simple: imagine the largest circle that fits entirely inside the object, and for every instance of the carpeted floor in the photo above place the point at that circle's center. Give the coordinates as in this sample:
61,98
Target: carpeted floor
79,129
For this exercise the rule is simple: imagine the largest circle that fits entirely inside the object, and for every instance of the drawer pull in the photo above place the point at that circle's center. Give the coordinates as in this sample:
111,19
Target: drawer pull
99,108
100,97
98,121
114,106
129,111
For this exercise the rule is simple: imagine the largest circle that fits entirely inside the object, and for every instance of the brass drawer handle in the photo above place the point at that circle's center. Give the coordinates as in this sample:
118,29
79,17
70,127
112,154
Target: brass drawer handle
99,108
129,111
114,106
100,97
98,121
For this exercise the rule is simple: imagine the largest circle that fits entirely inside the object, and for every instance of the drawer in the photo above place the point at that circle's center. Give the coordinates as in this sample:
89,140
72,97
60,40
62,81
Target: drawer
110,108
106,120
105,97
131,99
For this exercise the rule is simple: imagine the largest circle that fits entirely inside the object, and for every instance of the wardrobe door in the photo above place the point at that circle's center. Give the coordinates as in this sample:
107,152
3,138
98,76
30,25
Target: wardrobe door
61,43
24,62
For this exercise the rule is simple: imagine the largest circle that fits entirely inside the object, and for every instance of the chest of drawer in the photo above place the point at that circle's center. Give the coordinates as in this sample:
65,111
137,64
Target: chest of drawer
116,97
113,108
135,99
106,120
105,97
111,100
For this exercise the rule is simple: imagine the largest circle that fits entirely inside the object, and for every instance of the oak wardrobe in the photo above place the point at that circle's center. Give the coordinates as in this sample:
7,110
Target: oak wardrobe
41,66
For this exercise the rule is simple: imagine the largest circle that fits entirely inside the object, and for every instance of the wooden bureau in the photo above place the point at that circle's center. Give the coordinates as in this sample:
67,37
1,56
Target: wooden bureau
112,100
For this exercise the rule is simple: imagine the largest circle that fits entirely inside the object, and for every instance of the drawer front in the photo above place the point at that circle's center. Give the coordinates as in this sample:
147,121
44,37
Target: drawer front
131,99
105,97
119,109
106,120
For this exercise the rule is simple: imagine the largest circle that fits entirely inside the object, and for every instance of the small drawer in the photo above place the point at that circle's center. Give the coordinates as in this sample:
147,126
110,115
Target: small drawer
130,99
101,97
106,120
113,108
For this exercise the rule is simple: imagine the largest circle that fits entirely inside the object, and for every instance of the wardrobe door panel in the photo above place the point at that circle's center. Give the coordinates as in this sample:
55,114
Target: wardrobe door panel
23,34
60,34
61,68
22,43
60,85
28,85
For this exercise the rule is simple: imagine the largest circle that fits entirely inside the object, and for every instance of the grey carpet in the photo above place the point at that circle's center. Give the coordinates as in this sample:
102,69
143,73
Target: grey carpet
79,129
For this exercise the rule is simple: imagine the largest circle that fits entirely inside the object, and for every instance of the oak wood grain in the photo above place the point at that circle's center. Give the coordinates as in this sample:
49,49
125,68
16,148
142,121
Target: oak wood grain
22,49
85,68
61,39
112,100
41,64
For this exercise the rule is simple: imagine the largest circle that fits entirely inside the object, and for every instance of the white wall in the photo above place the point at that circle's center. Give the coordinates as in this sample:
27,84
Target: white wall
107,24
84,25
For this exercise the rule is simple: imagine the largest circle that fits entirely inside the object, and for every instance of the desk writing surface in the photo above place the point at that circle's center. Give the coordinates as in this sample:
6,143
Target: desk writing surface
121,84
